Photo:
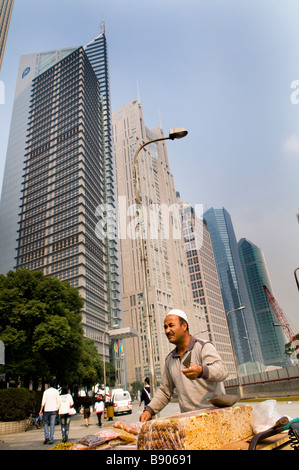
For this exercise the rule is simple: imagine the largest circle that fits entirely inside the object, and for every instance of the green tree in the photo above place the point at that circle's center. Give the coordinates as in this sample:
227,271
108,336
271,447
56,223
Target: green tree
40,325
90,369
293,346
137,386
110,374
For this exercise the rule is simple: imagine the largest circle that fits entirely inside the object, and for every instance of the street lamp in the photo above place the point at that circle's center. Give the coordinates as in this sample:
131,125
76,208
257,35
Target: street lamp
199,332
104,333
233,348
257,350
178,133
236,310
283,327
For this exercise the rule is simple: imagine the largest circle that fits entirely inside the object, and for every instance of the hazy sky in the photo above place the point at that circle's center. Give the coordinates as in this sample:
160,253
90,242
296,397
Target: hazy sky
223,69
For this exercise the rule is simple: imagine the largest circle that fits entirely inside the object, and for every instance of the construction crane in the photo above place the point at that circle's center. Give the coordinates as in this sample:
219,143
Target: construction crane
280,316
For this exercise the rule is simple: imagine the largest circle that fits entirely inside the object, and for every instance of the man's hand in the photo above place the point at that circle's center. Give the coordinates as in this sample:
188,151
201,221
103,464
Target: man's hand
193,372
146,416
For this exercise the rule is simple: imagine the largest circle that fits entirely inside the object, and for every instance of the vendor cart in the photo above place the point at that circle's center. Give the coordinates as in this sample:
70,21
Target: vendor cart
284,435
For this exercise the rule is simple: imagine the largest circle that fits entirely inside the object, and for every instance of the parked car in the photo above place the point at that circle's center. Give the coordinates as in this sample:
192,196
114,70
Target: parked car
122,402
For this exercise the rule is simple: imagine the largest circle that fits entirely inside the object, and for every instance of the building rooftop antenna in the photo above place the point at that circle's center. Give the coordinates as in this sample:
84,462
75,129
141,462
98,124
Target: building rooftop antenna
160,120
138,93
103,26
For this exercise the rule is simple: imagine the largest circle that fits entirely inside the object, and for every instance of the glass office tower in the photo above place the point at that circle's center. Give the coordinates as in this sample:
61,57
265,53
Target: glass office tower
6,7
63,184
256,275
97,53
233,289
30,66
59,170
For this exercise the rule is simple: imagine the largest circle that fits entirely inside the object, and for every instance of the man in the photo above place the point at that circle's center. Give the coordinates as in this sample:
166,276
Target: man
50,405
197,380
145,393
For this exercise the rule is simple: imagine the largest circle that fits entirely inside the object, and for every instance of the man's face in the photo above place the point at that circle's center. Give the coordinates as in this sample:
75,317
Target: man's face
173,330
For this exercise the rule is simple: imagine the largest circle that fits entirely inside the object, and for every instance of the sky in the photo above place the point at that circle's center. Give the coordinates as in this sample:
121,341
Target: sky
227,71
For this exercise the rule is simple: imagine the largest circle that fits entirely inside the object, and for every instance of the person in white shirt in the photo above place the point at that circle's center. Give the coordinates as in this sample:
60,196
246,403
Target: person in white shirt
50,405
99,408
66,404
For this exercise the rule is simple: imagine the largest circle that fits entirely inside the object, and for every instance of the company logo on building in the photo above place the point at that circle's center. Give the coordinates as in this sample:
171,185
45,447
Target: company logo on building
26,71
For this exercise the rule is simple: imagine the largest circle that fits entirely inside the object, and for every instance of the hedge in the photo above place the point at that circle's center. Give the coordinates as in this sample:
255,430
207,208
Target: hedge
18,403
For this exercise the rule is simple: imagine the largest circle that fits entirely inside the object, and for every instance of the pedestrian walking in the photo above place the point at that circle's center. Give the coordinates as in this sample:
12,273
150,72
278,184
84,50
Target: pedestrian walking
99,409
107,403
194,368
65,410
145,393
86,410
50,405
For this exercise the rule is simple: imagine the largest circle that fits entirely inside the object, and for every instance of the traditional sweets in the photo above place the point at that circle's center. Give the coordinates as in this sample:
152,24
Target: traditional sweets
201,430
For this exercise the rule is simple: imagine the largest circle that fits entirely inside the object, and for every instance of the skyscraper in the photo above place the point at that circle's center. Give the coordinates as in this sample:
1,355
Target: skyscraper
205,285
6,7
97,53
233,287
256,275
59,170
30,66
166,262
63,184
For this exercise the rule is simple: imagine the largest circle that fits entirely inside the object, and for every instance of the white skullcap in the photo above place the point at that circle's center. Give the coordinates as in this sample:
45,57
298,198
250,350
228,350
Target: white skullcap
179,313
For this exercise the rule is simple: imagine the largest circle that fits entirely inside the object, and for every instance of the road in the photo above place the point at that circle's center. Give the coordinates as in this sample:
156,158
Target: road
33,440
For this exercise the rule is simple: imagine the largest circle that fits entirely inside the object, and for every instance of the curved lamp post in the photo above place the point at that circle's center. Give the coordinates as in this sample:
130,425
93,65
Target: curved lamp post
178,133
257,351
173,134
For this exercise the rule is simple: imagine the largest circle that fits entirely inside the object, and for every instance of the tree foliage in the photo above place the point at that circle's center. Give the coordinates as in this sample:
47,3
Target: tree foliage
40,325
293,346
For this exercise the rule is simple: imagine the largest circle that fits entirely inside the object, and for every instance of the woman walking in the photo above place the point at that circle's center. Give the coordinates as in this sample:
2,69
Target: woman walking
86,410
66,403
99,408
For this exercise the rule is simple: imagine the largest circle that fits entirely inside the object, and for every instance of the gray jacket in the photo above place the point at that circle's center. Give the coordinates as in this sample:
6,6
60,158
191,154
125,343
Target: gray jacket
193,394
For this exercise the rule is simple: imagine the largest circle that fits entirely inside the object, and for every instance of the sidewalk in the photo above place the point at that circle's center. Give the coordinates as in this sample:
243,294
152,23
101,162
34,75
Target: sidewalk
34,439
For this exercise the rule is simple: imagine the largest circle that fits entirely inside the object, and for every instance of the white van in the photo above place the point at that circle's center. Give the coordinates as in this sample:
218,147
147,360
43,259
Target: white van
122,401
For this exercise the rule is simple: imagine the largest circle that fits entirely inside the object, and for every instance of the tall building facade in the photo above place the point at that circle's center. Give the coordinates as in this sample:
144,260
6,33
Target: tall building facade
59,171
168,277
233,289
256,275
6,7
30,66
205,284
61,184
97,53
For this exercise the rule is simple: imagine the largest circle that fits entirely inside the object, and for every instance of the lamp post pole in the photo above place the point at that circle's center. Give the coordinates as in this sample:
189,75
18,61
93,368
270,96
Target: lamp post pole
257,351
103,348
173,134
296,278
